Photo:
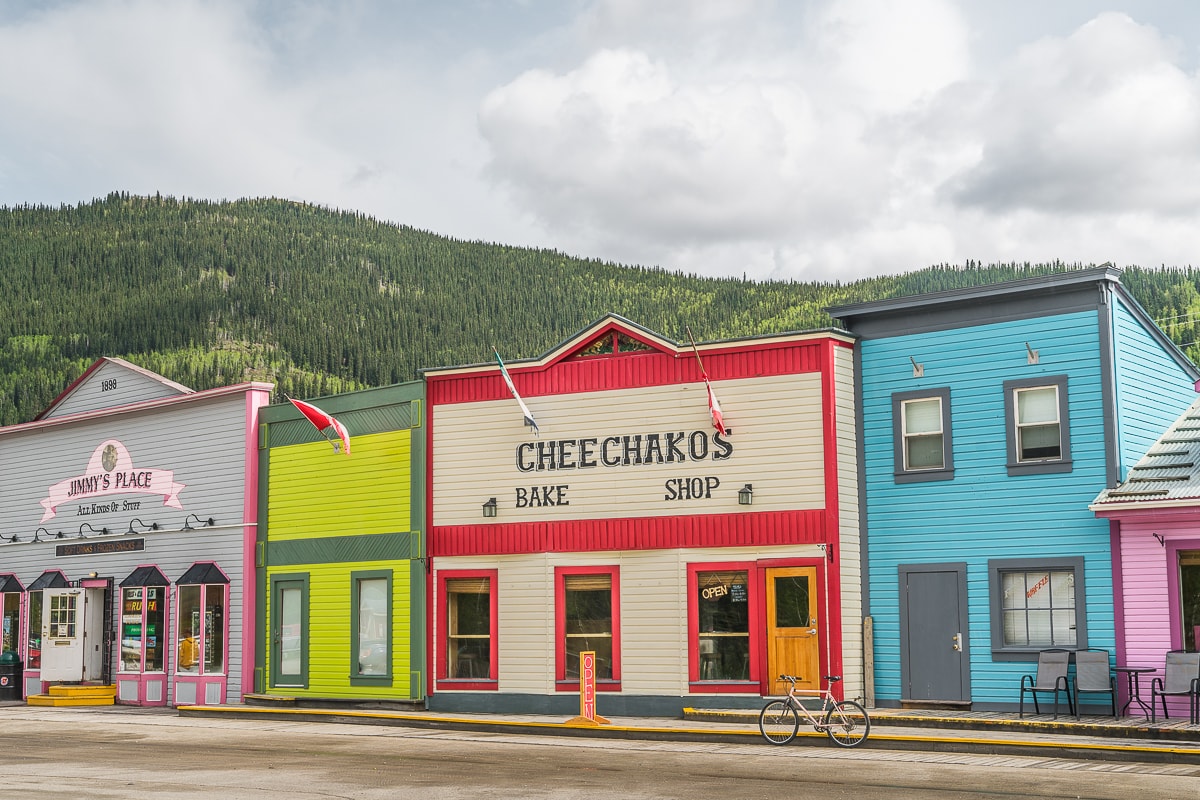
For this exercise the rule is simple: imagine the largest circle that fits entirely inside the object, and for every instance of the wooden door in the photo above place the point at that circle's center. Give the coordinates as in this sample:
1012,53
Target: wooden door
793,629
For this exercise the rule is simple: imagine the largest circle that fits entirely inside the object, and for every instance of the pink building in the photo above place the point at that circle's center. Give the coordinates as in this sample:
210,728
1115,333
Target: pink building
1155,520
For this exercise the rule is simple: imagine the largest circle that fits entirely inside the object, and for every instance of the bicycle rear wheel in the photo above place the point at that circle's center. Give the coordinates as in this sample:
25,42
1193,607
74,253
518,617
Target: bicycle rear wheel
847,723
778,722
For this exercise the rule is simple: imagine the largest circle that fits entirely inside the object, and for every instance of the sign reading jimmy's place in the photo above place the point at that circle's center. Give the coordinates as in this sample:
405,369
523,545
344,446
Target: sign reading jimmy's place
110,471
641,452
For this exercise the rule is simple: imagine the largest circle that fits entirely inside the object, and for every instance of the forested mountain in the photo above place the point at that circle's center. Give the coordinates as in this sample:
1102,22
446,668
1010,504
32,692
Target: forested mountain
320,301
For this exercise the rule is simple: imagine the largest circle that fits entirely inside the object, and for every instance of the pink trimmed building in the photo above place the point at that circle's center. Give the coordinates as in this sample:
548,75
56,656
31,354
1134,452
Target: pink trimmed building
1155,521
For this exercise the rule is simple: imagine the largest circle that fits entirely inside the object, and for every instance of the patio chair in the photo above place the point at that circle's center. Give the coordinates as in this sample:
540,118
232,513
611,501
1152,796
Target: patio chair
1093,675
1180,679
1052,666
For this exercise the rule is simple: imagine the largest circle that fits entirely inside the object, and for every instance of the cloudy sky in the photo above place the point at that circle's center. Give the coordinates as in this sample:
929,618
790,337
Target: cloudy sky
794,139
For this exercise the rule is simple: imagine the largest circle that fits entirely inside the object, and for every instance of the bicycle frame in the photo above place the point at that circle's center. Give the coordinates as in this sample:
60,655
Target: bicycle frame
845,722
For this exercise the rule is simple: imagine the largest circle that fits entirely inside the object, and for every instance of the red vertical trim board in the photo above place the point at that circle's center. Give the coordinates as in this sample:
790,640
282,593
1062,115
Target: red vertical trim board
832,595
634,533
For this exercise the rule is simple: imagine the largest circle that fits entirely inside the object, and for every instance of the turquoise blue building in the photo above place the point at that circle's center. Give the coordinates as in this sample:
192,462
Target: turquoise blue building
991,417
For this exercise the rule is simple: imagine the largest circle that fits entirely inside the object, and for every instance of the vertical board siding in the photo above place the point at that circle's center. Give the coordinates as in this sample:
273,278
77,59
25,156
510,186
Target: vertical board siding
983,513
599,373
1151,387
716,530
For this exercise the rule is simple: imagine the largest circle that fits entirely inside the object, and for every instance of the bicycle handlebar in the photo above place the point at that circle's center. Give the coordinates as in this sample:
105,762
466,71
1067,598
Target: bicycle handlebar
794,679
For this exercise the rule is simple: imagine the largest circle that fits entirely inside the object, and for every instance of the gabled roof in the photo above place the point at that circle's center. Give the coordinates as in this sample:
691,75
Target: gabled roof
1025,298
170,387
1168,475
624,337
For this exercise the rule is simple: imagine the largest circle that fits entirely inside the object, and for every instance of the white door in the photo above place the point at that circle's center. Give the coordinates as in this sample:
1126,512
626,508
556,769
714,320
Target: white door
62,635
93,634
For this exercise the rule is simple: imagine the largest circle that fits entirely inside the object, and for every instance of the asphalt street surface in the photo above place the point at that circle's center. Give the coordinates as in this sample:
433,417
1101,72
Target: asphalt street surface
118,753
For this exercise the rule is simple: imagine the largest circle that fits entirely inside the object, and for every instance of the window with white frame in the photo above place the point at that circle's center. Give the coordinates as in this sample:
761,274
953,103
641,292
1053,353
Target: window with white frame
921,431
1037,605
1037,425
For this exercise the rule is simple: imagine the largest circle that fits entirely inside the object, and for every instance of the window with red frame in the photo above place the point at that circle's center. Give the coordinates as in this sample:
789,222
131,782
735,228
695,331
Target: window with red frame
588,622
469,614
723,623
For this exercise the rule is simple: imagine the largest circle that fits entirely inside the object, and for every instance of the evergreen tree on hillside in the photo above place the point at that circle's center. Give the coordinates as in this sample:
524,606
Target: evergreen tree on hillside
321,302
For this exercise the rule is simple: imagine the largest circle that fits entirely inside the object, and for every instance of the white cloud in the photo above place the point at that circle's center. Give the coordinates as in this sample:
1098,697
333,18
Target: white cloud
782,138
1102,122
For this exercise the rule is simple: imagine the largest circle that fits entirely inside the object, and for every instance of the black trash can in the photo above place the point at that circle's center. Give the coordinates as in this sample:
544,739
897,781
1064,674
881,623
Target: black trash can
10,676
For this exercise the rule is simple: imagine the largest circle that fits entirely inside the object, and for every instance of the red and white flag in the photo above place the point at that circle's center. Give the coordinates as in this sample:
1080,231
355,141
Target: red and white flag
323,423
714,408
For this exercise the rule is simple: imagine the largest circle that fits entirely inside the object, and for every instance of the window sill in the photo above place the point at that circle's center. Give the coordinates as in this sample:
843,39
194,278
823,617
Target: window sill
1031,654
1038,467
924,475
370,680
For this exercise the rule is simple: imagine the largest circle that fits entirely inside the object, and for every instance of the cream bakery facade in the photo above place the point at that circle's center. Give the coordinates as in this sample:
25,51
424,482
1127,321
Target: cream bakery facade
697,564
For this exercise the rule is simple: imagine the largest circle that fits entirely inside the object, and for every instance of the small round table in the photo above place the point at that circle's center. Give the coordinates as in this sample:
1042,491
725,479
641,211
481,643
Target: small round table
1133,684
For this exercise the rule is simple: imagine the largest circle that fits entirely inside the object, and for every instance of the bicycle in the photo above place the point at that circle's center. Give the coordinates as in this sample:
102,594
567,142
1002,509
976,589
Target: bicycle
843,721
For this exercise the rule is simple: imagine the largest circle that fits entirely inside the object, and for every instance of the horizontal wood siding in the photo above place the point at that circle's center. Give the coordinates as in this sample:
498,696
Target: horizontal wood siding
1146,571
653,601
331,623
316,492
776,438
849,549
1152,388
111,385
983,513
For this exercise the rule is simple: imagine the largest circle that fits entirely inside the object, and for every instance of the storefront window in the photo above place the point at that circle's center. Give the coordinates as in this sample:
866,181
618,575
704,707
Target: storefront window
12,622
469,628
33,655
1189,586
200,622
143,621
201,630
143,612
588,621
723,617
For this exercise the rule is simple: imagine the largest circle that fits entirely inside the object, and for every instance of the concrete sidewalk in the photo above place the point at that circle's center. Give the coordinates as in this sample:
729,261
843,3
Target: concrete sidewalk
1128,739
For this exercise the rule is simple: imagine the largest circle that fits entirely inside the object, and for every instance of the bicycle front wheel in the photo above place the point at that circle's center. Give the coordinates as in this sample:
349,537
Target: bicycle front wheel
847,724
778,722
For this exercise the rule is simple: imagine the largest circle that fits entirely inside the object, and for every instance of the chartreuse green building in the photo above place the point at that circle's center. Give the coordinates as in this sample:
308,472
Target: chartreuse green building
340,555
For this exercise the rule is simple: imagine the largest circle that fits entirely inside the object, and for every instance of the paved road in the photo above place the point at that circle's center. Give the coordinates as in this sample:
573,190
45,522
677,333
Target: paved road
155,754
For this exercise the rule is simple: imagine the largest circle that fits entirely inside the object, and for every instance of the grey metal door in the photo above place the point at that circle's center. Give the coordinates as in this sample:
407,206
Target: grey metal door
933,633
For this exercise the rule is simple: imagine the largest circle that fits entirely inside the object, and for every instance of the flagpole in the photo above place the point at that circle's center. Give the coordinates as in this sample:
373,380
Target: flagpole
695,350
